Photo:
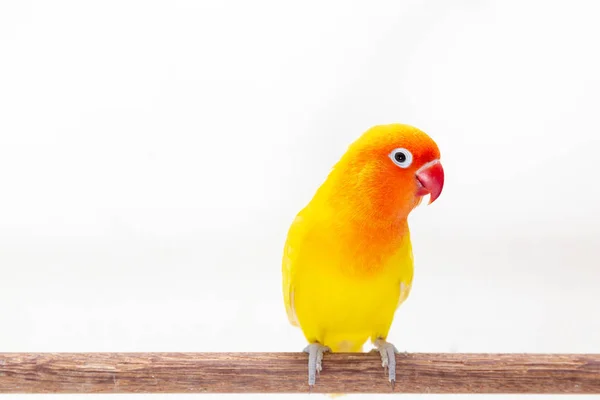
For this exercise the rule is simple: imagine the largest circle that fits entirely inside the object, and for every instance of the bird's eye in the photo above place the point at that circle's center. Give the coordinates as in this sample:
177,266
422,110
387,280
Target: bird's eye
401,157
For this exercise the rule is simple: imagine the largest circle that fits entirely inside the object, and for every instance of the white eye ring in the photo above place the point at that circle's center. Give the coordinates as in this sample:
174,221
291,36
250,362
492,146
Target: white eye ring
401,157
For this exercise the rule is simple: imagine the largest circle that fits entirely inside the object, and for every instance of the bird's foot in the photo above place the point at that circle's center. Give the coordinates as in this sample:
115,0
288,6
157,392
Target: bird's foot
315,361
388,358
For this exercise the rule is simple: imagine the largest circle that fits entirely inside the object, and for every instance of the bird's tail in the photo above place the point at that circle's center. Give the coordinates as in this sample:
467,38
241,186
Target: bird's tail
345,347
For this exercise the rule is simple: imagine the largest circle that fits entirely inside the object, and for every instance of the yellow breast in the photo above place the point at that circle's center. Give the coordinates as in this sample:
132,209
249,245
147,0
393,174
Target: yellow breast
338,294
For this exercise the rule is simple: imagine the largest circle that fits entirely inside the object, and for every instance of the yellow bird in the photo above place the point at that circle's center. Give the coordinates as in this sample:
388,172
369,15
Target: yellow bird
347,262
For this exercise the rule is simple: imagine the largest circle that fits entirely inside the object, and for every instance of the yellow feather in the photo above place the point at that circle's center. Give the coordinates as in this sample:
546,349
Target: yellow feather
336,308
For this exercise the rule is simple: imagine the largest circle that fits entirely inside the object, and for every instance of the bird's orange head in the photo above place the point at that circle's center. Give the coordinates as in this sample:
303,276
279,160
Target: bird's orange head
387,171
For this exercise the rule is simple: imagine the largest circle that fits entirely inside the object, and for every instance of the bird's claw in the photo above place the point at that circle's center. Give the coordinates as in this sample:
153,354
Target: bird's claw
315,361
388,358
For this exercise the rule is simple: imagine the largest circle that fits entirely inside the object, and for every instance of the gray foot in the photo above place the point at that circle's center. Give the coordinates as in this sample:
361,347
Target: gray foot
388,358
315,359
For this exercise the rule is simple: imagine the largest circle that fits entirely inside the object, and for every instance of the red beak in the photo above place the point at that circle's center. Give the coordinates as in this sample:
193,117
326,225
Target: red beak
431,179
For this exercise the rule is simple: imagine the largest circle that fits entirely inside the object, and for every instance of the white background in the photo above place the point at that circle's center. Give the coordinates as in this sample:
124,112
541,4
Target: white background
153,155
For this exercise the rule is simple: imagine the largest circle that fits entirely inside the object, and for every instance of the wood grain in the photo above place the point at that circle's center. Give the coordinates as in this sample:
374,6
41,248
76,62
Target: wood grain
287,373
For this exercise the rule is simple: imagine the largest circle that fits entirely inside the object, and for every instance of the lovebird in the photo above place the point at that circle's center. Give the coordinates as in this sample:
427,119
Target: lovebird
347,260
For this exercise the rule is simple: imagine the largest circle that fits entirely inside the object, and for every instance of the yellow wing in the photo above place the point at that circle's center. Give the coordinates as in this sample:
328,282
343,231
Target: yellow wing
295,237
407,276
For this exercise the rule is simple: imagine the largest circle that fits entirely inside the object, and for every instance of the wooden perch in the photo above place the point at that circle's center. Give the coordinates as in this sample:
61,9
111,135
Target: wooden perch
287,373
